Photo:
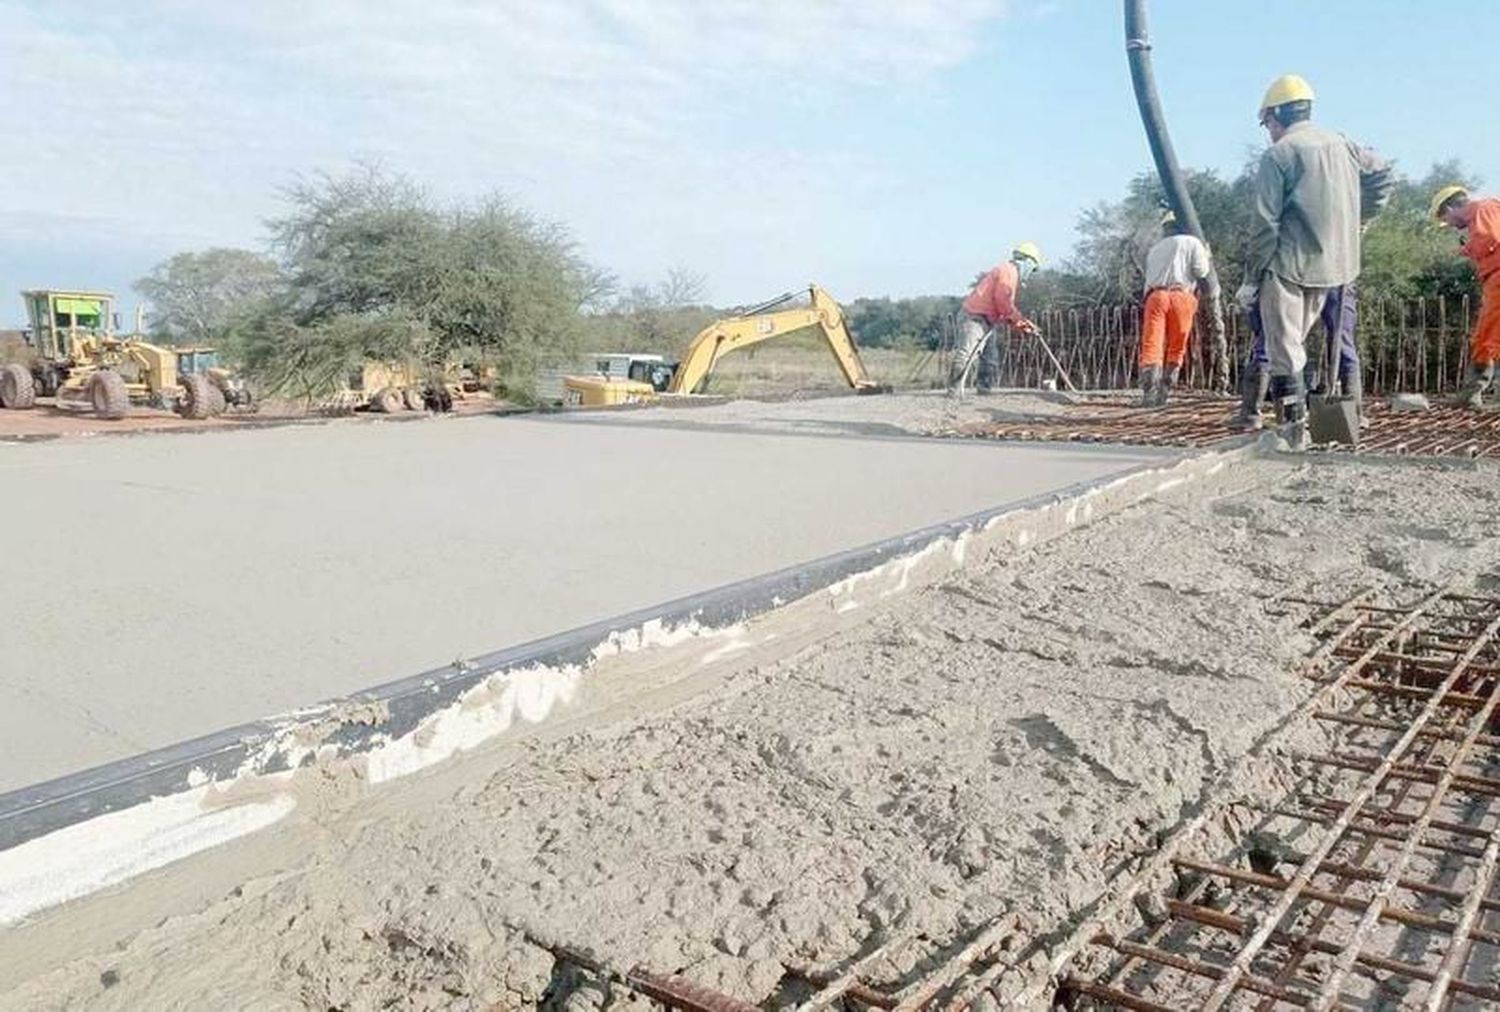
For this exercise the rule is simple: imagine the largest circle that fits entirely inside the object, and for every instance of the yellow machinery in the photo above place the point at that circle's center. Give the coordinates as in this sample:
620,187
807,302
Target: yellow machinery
76,354
388,386
647,376
385,387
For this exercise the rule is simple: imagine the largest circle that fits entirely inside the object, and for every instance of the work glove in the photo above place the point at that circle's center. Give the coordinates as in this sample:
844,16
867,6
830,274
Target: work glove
1247,296
1028,328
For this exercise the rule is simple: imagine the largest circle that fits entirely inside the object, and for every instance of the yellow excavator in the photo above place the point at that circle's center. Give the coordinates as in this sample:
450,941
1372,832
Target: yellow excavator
639,379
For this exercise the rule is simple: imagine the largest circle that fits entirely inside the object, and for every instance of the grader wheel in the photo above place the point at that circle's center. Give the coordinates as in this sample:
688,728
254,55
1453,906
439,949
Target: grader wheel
17,388
201,398
414,399
108,395
387,400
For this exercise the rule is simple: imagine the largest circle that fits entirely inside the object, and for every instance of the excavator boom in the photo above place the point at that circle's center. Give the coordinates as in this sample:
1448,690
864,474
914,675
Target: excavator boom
736,333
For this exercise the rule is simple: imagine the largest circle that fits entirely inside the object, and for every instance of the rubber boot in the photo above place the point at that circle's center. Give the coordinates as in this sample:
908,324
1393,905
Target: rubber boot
1291,410
1254,382
1169,380
1150,385
1478,382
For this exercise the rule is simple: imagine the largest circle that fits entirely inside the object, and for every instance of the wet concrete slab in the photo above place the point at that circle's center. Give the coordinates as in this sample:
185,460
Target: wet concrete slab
163,587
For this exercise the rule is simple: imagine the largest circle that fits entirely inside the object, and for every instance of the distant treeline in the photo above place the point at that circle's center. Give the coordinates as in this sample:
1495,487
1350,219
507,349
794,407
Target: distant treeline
369,265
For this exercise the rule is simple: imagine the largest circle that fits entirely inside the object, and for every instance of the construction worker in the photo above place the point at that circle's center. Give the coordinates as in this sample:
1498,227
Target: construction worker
991,304
1479,220
1314,189
1339,316
1176,265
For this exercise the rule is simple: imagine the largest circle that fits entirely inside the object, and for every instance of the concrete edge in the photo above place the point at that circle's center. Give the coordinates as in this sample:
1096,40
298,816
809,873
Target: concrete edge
67,837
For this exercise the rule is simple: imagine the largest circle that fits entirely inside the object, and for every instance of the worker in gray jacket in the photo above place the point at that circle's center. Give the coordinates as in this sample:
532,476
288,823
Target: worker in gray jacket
1314,190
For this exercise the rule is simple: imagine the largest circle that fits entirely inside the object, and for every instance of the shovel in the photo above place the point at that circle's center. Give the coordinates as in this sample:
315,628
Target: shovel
1332,418
1062,373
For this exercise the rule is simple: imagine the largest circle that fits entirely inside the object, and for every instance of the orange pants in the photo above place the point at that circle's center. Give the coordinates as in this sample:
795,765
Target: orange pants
1169,321
1484,345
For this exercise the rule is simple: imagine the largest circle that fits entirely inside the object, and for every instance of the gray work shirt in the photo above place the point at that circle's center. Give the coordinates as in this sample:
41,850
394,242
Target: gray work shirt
1176,261
1313,191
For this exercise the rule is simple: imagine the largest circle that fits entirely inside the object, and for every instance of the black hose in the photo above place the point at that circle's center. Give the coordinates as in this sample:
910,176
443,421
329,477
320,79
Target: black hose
1143,79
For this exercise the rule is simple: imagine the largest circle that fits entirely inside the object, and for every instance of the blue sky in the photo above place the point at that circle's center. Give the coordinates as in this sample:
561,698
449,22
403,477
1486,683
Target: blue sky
876,146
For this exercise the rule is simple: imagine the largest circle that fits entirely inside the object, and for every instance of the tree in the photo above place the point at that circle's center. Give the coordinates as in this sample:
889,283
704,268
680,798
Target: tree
658,318
884,323
375,269
1405,255
196,297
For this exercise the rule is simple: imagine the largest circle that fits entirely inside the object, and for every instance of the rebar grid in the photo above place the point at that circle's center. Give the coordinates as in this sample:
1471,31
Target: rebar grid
1195,420
1406,344
1391,838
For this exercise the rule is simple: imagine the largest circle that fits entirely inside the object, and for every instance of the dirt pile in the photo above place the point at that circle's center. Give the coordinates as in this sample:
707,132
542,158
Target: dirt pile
997,742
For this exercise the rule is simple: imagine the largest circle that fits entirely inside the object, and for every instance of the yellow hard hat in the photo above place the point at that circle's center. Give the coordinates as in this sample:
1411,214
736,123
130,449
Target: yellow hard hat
1027,251
1286,88
1444,195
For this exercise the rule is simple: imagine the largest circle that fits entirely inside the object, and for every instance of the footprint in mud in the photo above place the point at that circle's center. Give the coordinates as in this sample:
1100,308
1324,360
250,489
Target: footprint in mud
1043,735
1414,557
1422,533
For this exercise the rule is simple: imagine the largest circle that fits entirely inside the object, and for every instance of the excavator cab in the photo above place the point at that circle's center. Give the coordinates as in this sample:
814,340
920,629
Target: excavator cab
657,373
192,361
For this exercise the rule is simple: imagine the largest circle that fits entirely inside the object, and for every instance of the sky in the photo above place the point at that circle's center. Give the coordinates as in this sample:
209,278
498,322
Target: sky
877,147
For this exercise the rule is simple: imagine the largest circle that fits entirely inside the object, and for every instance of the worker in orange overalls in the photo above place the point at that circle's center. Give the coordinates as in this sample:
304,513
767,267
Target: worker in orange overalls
1480,220
990,304
1176,265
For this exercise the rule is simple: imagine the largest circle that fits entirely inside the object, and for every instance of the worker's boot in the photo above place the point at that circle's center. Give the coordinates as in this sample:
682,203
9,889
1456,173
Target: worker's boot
1291,410
1478,382
1150,386
1168,382
1254,382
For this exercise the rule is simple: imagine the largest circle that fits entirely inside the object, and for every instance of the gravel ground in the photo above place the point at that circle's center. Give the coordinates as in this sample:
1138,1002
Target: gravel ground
990,743
918,413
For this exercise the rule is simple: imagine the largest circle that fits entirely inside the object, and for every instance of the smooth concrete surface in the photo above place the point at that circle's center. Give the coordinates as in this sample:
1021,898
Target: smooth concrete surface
155,588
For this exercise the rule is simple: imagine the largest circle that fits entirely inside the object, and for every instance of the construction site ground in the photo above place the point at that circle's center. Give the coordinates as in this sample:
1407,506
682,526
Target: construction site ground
999,741
50,420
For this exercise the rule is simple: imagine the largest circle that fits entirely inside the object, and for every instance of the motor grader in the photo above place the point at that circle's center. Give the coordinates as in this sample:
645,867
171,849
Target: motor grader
642,379
76,355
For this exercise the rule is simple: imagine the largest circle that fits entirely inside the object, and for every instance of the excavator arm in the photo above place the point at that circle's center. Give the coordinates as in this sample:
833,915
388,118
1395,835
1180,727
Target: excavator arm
735,333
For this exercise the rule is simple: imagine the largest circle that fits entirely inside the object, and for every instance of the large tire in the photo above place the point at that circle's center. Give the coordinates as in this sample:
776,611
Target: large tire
414,399
108,395
197,397
17,388
386,400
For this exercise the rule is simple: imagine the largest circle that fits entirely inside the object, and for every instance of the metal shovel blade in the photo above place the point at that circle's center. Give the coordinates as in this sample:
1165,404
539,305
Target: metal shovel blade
1333,420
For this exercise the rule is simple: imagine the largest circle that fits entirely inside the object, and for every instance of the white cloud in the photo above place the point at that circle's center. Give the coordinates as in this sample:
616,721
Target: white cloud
178,119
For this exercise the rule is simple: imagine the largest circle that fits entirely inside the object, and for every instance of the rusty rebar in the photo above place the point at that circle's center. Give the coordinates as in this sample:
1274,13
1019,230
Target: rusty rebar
1238,969
1381,900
